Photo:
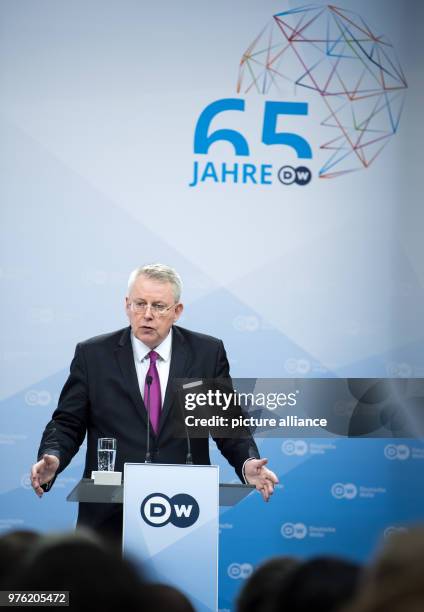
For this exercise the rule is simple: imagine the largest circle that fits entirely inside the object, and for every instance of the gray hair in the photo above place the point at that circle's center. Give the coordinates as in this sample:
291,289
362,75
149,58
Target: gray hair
161,273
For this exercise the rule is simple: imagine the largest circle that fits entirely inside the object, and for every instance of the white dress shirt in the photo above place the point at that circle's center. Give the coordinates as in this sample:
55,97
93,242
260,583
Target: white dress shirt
142,362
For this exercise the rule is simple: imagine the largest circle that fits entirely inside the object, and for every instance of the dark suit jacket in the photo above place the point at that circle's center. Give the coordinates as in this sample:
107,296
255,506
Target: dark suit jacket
101,398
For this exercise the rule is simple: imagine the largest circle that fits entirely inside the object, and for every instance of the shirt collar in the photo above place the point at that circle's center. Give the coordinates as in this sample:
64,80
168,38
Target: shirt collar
141,350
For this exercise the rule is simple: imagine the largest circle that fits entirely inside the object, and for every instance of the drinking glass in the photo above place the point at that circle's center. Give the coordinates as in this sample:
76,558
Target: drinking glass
106,453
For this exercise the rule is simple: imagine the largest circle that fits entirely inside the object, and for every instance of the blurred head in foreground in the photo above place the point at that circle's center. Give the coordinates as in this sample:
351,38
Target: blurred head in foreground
94,574
259,591
394,582
323,584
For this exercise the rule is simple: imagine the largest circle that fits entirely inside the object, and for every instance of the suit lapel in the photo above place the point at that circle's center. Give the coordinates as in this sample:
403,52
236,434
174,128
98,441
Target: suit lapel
177,369
125,356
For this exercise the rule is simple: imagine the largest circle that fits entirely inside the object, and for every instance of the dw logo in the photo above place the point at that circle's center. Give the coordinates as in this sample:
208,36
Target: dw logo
240,571
181,510
289,175
294,447
392,530
294,530
397,451
344,491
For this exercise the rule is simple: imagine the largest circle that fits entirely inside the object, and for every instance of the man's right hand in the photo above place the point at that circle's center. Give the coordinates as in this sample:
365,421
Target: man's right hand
43,471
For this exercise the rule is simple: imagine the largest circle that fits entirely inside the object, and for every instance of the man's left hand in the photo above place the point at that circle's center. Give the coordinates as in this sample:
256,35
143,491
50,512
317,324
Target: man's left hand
264,479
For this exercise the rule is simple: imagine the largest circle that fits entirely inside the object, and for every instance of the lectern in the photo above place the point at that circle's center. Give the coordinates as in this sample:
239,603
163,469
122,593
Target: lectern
171,522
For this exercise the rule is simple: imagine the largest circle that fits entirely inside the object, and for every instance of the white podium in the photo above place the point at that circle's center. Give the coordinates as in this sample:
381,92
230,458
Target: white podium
171,521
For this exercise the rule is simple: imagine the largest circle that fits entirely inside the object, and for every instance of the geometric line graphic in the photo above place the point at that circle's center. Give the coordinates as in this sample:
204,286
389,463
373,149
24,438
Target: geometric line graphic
333,52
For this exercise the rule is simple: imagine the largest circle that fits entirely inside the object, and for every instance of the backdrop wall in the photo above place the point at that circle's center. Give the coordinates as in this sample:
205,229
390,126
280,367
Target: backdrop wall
111,158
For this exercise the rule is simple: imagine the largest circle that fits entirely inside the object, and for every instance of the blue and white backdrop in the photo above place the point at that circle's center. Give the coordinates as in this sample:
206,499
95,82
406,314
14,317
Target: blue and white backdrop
271,152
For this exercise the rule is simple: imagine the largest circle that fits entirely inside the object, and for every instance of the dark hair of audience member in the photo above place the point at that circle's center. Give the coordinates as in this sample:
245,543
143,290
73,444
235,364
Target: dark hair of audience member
96,577
258,593
14,546
394,581
323,584
167,598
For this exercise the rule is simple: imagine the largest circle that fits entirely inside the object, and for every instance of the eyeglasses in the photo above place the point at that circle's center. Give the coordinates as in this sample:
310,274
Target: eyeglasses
140,307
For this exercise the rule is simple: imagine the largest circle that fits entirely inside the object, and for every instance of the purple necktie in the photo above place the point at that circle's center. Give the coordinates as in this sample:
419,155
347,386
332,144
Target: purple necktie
155,396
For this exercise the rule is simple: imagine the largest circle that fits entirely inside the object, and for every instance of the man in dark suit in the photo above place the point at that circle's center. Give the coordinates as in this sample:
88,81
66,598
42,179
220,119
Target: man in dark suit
110,377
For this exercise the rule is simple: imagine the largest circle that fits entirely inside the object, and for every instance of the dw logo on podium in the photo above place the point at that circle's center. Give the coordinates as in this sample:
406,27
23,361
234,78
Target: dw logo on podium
182,510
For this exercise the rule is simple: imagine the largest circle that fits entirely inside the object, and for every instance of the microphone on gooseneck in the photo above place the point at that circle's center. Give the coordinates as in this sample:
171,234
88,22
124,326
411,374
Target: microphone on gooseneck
189,456
148,457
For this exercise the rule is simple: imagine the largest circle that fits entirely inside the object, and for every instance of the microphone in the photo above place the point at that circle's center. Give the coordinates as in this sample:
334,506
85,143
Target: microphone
148,457
189,456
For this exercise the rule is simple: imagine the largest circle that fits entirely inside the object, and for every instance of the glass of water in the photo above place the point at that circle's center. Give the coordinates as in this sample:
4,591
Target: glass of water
106,453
